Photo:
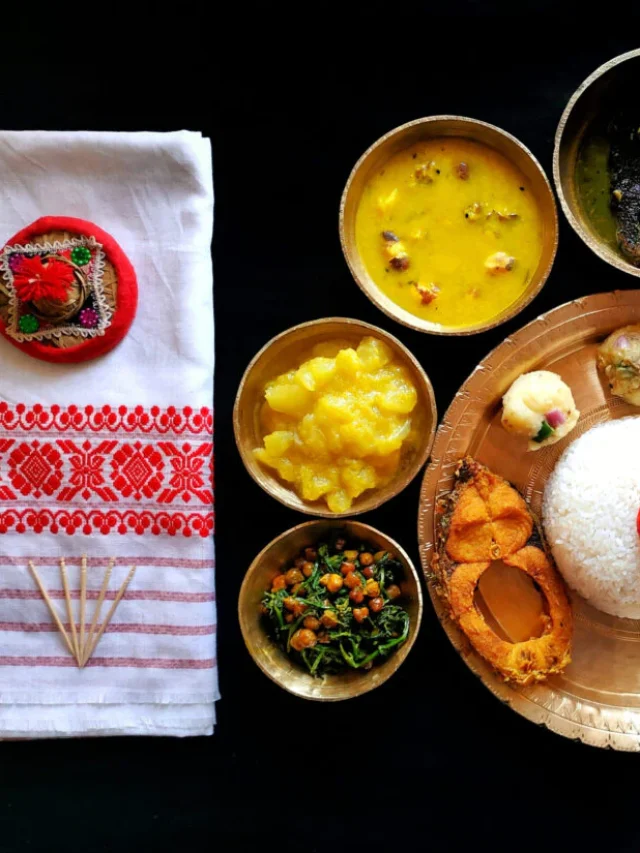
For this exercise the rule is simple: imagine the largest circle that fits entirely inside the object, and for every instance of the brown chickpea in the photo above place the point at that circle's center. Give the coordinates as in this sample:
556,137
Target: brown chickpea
340,543
307,569
347,567
334,583
290,603
357,595
289,618
360,613
368,572
299,609
323,637
376,604
366,559
329,619
278,583
298,589
324,580
372,588
351,555
379,555
310,554
393,591
312,623
294,576
298,562
303,638
352,580
264,610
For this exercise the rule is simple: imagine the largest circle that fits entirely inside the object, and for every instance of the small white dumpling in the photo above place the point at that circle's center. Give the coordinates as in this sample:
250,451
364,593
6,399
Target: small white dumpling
539,406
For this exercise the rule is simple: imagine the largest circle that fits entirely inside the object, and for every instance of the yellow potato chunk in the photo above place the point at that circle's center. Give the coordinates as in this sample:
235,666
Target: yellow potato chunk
358,477
373,354
277,443
335,427
338,501
288,398
316,372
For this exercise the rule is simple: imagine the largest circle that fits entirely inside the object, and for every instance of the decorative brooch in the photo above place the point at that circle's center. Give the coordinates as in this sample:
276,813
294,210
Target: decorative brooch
67,290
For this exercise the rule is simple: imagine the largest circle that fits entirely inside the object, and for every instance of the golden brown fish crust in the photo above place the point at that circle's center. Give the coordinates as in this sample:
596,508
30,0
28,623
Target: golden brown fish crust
485,519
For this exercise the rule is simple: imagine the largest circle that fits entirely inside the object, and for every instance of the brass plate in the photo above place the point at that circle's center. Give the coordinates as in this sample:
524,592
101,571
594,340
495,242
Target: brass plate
597,699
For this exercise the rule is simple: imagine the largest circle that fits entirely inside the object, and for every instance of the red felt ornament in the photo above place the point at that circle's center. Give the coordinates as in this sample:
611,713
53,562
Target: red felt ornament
34,279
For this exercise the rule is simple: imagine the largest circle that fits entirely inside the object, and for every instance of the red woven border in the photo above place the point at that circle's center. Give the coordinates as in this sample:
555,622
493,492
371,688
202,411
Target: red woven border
109,419
55,461
126,301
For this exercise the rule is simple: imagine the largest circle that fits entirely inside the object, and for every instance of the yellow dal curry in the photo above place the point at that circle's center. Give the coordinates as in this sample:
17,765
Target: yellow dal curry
450,231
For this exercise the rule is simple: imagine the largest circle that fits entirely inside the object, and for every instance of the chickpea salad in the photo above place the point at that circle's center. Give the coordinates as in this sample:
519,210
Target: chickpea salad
335,608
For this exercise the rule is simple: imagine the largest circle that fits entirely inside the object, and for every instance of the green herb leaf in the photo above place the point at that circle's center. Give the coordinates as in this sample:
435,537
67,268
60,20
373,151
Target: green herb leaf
545,431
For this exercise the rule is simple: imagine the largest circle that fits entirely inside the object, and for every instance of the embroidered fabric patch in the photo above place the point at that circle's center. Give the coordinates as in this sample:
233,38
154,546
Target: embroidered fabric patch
56,289
102,470
67,290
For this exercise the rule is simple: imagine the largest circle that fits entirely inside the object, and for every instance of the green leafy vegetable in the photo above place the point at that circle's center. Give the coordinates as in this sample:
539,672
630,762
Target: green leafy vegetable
545,431
348,644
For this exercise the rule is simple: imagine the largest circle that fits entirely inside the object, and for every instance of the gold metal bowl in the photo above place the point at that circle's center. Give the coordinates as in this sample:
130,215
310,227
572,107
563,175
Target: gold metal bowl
272,660
586,104
429,128
289,349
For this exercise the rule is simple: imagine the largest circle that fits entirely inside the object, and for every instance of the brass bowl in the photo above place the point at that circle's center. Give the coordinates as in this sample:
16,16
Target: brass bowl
428,128
289,349
577,120
272,660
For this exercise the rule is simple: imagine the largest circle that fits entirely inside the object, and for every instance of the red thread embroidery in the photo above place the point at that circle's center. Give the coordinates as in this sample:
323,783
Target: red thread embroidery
137,470
107,521
165,478
87,465
35,468
106,419
188,472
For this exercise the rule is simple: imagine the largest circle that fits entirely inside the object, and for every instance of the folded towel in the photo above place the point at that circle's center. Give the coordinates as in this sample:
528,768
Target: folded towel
113,458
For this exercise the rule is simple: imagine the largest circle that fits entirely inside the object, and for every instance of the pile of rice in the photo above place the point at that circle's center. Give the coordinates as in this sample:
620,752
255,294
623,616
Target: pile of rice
590,509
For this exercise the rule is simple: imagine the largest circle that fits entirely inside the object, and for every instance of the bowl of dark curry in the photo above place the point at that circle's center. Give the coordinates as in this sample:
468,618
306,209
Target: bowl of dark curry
596,162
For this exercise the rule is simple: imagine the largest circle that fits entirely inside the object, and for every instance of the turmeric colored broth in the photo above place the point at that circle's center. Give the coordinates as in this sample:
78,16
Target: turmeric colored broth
472,235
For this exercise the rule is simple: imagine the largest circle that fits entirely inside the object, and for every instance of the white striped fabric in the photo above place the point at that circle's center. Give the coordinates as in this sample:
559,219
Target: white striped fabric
113,458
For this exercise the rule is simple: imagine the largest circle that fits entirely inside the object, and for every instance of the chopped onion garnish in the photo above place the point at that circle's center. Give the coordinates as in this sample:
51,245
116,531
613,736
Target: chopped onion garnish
555,418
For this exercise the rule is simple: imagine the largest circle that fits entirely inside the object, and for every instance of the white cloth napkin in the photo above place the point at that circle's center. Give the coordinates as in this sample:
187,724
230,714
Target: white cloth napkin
154,671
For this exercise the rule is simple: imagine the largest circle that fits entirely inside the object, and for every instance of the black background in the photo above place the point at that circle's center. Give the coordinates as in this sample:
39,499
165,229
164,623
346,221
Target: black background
430,760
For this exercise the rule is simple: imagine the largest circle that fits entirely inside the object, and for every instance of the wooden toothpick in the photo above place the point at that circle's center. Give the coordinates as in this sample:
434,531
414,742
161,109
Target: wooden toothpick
93,643
83,604
96,614
82,644
52,610
70,616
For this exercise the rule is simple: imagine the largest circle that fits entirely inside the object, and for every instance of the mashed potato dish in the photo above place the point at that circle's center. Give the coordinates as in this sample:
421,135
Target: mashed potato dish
539,406
338,424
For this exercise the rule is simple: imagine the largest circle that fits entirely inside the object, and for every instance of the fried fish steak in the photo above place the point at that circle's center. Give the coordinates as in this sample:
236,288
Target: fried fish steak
482,520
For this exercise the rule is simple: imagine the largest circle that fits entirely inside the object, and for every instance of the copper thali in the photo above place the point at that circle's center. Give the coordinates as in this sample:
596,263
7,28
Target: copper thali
597,699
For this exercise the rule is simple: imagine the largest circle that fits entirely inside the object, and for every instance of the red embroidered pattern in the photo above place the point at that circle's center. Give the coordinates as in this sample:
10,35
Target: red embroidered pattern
149,485
106,419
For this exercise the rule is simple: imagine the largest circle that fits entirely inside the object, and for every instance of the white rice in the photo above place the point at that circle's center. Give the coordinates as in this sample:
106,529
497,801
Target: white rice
590,510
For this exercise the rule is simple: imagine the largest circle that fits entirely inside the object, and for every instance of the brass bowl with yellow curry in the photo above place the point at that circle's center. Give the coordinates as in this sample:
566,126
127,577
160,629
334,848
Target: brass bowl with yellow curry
449,225
334,417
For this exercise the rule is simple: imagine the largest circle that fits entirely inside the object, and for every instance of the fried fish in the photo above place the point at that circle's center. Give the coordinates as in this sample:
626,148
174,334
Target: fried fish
482,520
